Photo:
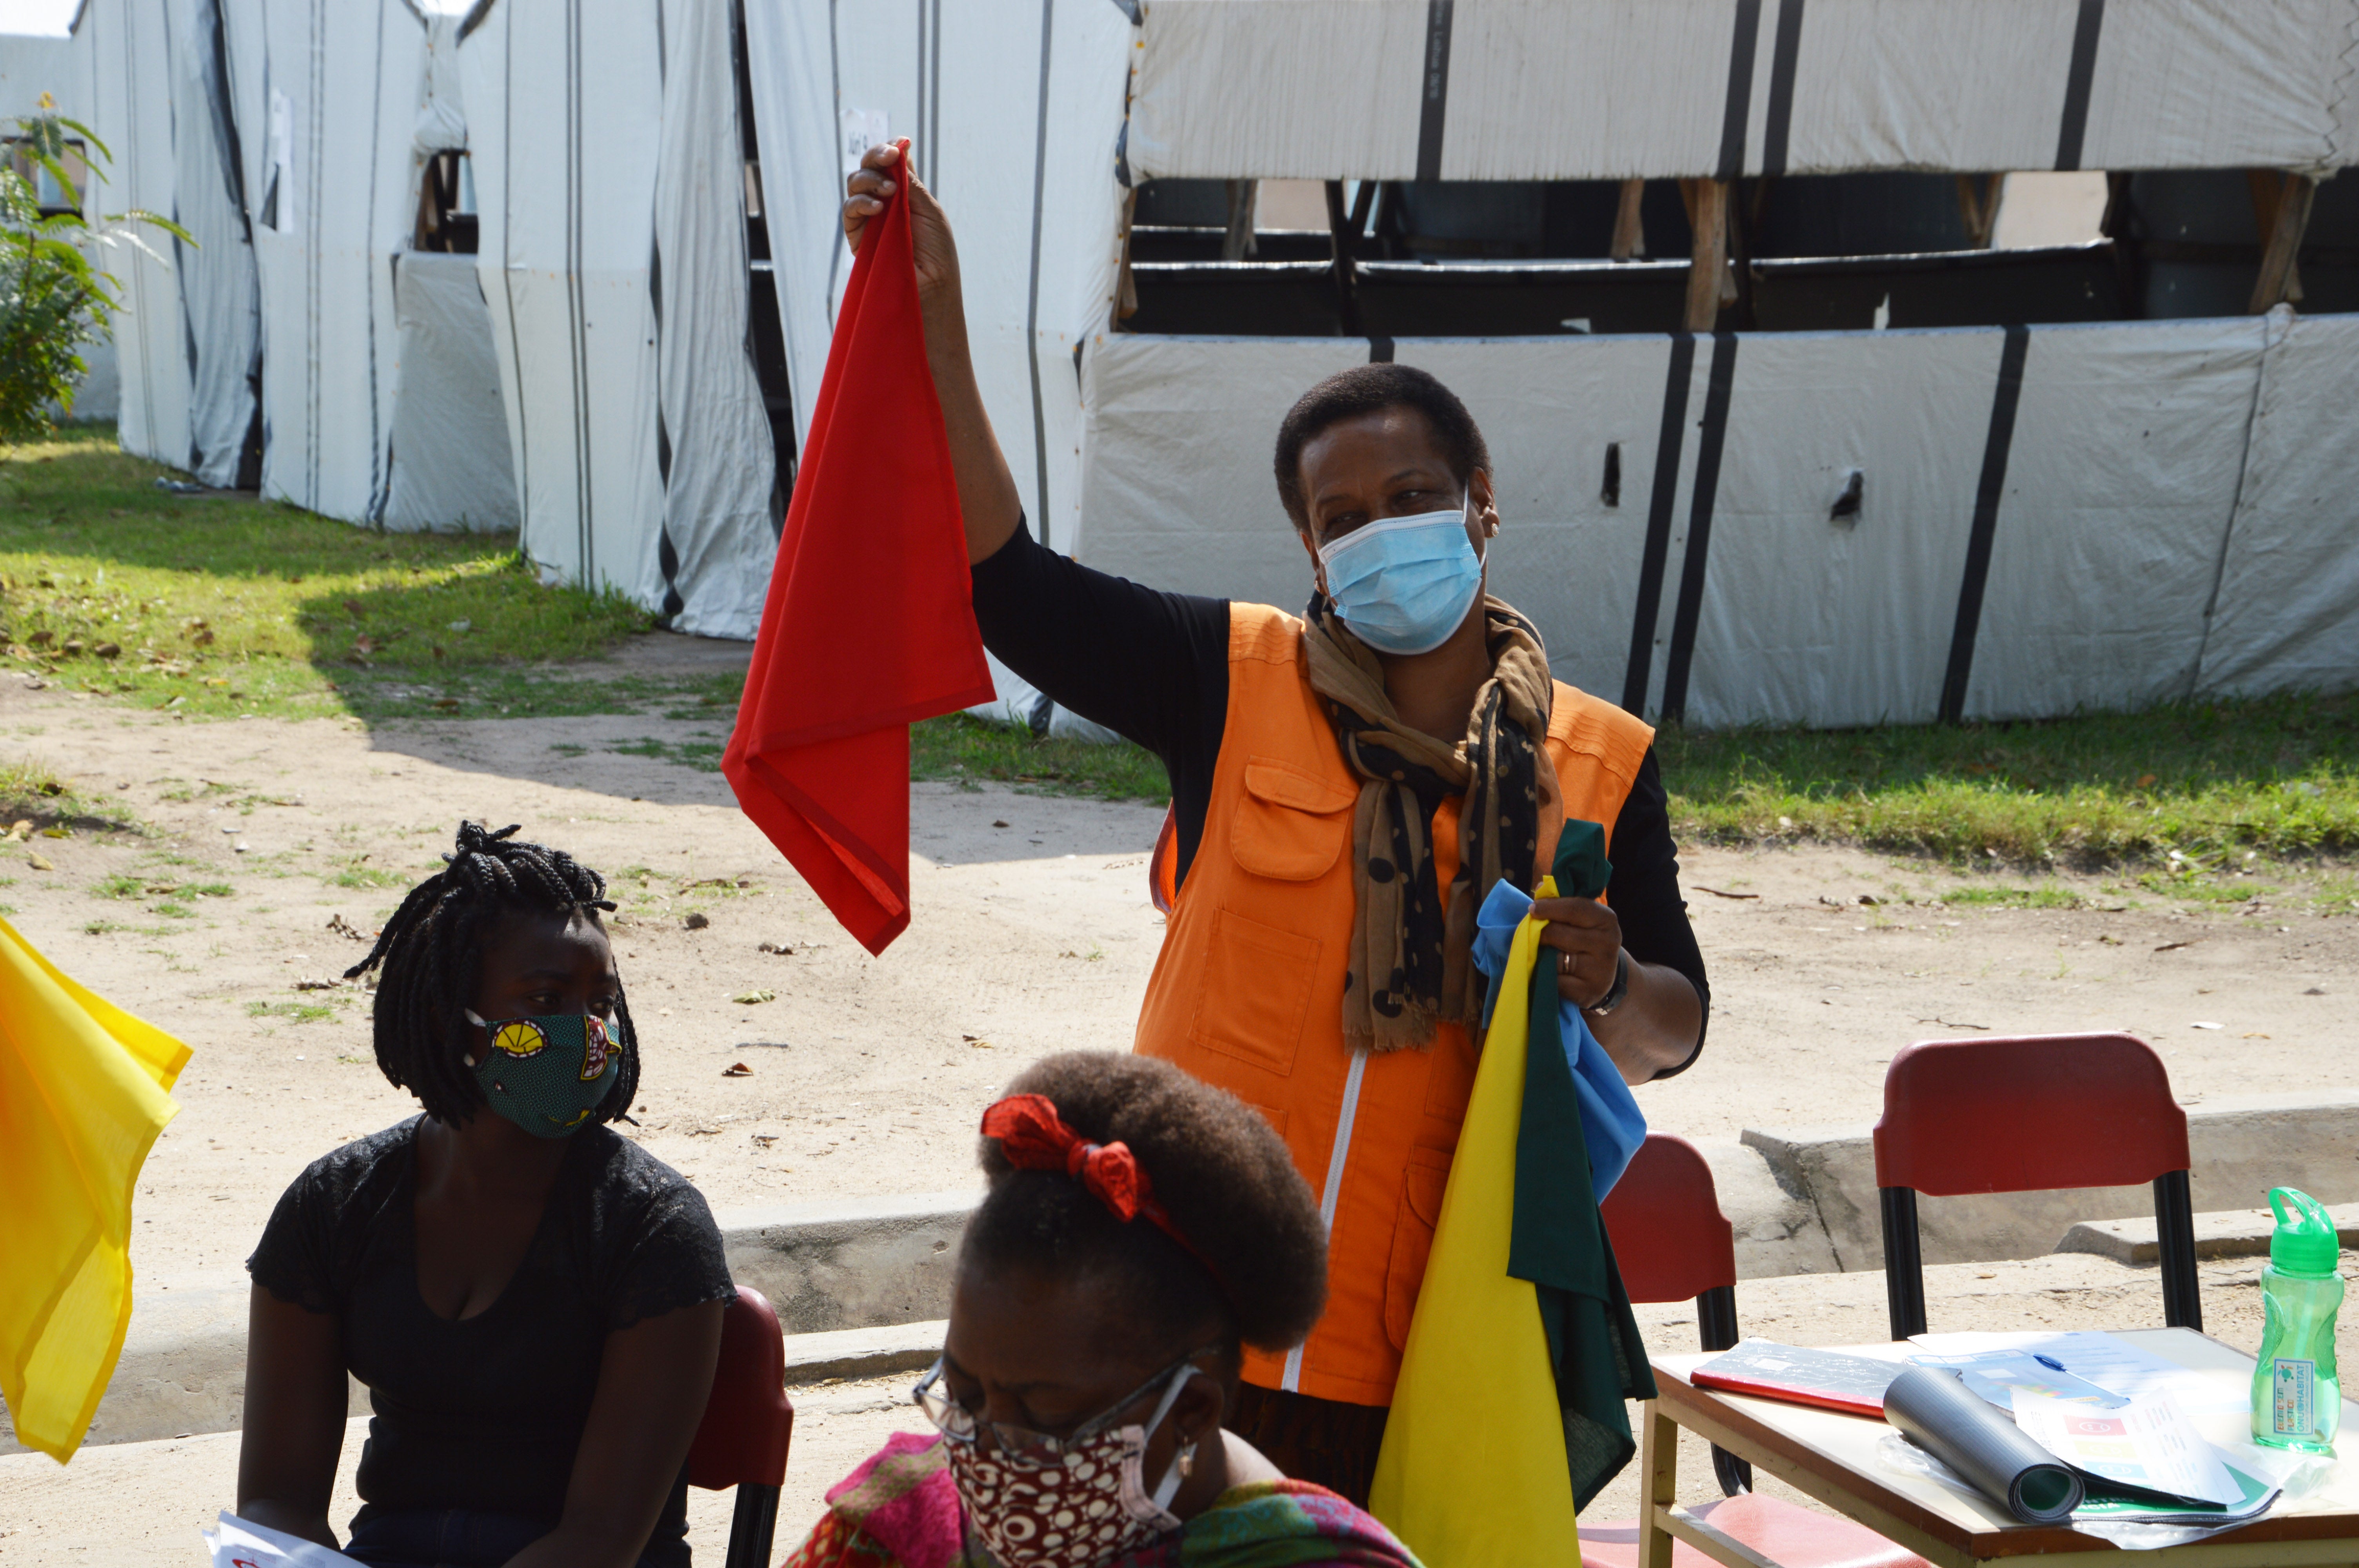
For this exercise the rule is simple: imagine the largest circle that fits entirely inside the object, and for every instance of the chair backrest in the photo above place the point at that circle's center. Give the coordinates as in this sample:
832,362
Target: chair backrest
748,1421
2027,1113
1670,1239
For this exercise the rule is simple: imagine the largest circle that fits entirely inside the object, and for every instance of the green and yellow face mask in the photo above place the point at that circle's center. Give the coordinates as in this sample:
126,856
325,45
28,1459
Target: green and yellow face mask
547,1074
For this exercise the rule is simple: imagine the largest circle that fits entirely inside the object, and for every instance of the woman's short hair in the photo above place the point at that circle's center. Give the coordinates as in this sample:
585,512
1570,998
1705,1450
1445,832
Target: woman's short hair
1369,389
432,951
1259,1268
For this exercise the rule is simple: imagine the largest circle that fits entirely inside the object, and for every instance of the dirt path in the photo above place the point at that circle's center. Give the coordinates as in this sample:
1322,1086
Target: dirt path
1032,934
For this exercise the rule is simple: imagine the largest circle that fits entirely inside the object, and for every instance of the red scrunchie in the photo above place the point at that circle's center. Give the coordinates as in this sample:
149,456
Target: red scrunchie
1035,1137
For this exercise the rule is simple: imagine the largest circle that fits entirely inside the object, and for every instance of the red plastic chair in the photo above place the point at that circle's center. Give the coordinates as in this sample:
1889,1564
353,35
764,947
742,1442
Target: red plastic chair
2031,1113
748,1423
1672,1244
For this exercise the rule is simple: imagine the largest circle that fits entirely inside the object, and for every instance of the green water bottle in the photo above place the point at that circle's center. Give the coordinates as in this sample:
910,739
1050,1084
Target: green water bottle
2297,1396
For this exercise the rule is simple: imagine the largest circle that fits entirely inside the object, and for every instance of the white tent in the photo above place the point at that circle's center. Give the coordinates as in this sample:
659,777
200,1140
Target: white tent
1548,90
2163,512
609,171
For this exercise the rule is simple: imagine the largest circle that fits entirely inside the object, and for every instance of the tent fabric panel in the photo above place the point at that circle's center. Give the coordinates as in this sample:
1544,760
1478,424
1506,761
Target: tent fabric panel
1175,477
2127,451
450,439
565,171
2287,616
2221,84
1971,88
1571,90
585,359
967,86
1538,85
1549,408
331,108
219,300
131,111
790,68
723,470
1218,90
1809,619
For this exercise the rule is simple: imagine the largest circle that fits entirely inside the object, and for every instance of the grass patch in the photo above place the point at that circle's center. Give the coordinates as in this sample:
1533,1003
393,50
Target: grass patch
218,605
704,756
2277,775
2048,897
962,749
171,911
31,791
360,874
300,1011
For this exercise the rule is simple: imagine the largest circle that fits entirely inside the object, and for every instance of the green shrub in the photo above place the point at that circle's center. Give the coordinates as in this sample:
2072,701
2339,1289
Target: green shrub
53,299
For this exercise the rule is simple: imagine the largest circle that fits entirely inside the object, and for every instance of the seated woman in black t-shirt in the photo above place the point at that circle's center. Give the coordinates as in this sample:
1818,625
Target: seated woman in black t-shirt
534,1302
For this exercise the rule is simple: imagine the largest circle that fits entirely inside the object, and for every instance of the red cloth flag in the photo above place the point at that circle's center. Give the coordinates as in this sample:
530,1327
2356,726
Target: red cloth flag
870,622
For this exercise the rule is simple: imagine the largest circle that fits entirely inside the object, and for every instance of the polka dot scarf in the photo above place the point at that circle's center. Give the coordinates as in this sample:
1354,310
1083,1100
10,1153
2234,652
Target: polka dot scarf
1412,948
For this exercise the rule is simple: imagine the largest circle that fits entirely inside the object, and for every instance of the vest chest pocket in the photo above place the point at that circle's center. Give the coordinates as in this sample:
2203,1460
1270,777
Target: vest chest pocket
1256,993
1290,824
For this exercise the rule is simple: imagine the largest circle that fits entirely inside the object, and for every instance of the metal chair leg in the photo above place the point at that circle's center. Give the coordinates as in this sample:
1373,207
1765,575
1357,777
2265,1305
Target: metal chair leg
1904,1262
754,1528
1716,1327
2174,1226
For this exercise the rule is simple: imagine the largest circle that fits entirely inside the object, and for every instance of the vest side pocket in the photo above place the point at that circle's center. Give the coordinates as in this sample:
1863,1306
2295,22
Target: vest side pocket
1290,824
1424,1180
1256,993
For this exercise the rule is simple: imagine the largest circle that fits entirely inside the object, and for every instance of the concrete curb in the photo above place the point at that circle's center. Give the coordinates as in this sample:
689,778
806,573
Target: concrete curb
2240,1146
861,1287
849,1354
1801,1201
2238,1233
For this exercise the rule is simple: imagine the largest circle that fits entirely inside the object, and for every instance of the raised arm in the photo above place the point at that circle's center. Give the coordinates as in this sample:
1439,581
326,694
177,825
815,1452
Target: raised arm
294,1423
986,490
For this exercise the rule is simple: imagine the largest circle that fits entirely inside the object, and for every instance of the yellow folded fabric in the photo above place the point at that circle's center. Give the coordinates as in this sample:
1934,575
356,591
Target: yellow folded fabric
83,1092
1473,1470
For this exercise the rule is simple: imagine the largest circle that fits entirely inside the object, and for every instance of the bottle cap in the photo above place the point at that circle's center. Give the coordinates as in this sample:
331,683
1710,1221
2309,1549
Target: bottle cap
2305,1245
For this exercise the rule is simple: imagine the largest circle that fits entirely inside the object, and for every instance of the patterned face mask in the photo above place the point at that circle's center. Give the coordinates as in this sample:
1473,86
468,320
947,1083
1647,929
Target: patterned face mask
1077,1503
547,1074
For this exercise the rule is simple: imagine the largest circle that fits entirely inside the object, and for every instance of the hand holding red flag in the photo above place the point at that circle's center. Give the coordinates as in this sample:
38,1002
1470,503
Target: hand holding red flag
870,622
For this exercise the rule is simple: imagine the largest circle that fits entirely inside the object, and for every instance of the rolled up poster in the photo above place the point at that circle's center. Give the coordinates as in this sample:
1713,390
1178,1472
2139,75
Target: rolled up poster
1949,1421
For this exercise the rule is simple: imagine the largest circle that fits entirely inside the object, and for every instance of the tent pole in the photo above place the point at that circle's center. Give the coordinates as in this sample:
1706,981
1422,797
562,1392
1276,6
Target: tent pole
1629,228
1707,274
2282,208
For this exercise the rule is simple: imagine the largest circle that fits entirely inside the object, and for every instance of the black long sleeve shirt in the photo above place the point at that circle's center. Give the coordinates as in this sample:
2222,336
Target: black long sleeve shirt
1154,668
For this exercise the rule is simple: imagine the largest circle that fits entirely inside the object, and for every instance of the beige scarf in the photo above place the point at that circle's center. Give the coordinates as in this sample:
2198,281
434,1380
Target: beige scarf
1412,963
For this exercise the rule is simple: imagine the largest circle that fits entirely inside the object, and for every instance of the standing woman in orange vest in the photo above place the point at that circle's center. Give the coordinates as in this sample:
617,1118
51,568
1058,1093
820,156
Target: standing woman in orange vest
1346,787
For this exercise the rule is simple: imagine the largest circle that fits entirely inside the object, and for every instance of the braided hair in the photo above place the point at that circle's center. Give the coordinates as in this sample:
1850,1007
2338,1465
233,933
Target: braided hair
431,951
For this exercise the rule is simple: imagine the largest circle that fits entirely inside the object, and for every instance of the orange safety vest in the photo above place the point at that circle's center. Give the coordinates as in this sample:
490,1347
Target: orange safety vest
1248,991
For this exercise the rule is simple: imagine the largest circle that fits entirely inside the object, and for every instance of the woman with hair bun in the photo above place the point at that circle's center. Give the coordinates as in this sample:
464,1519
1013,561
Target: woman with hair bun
1141,1229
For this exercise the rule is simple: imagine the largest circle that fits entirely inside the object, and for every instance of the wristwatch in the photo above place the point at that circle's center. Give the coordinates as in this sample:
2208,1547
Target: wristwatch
1617,990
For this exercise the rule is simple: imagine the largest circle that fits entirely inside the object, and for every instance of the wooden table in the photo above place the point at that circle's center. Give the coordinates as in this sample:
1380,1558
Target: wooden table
1832,1457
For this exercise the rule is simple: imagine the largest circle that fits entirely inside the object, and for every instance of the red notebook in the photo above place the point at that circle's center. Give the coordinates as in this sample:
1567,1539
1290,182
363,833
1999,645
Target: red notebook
1827,1378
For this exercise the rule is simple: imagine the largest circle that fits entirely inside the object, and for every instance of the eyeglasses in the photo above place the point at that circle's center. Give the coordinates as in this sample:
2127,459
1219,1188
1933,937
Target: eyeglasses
1021,1444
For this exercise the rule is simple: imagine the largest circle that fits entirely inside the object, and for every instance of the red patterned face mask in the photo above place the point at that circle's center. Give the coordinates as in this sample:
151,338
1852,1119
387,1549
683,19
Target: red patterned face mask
1075,1504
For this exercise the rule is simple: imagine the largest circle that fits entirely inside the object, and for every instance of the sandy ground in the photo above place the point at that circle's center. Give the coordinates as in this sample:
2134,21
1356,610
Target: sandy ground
137,1504
1032,934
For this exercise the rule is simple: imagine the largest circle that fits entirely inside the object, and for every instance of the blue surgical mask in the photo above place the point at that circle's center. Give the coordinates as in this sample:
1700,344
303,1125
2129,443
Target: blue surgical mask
1405,584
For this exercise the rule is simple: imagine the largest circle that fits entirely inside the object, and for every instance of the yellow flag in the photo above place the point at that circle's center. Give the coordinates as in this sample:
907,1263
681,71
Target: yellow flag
83,1092
1472,1471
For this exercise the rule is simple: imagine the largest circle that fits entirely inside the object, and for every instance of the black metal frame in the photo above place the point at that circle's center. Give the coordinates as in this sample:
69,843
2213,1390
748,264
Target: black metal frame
1716,1328
1904,1257
755,1527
